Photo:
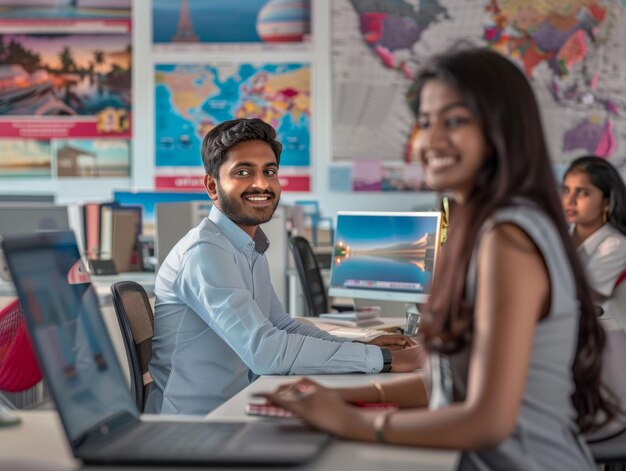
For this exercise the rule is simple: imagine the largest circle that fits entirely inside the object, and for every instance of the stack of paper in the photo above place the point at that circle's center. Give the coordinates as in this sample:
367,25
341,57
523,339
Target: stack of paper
360,334
360,318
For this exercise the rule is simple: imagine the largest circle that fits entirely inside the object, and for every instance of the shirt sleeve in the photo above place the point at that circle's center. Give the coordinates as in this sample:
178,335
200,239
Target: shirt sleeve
606,265
277,346
282,320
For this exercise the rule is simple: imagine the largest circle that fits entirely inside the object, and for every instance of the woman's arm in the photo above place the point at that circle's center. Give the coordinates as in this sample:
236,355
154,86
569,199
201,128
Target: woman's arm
605,266
407,392
513,292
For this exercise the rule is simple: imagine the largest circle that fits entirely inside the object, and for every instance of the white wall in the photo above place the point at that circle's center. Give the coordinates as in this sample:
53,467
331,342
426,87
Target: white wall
143,149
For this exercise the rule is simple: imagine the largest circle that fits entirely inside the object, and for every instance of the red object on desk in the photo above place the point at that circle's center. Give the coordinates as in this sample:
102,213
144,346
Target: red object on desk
267,409
376,405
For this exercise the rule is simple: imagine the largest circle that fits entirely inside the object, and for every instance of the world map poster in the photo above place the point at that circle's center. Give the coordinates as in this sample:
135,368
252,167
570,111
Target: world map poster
191,99
572,50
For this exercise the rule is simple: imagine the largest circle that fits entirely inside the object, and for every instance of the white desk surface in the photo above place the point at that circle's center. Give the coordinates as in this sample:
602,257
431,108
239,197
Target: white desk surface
345,455
39,443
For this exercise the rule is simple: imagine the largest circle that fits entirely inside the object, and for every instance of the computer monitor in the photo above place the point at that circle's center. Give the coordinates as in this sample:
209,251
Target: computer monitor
27,198
148,200
26,218
385,256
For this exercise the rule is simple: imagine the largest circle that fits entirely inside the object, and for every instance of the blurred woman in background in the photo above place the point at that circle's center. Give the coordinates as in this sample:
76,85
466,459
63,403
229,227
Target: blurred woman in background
594,201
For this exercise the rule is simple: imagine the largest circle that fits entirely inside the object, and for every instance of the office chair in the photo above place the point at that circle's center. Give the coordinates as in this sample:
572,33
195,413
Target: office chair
610,452
311,278
616,304
136,320
19,369
608,445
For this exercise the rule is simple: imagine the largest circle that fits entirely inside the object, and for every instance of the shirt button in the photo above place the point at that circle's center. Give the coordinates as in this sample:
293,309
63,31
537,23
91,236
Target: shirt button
373,370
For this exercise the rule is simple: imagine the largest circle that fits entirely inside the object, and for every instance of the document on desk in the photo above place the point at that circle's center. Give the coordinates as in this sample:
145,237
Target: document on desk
360,318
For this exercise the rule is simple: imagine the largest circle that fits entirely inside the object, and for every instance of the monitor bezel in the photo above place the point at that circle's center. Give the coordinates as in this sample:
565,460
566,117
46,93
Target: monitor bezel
383,295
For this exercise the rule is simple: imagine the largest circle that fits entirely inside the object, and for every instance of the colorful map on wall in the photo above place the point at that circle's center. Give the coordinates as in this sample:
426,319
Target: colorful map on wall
573,50
191,99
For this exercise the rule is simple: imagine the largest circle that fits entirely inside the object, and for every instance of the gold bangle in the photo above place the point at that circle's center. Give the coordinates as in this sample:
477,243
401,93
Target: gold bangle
380,422
382,397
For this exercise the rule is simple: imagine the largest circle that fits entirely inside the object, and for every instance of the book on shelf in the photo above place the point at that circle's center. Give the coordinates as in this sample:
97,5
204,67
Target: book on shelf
123,240
91,229
106,231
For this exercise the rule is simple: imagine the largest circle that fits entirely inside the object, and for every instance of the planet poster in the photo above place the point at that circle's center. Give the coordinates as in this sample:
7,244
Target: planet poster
189,22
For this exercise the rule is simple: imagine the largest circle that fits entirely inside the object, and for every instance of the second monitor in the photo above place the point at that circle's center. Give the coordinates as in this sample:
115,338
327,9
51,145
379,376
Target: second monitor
387,257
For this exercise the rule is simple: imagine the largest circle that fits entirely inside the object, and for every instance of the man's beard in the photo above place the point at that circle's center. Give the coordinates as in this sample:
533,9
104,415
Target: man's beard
243,215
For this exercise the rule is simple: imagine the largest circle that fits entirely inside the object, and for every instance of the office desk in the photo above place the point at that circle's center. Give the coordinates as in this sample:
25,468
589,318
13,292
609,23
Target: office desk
39,443
102,285
345,455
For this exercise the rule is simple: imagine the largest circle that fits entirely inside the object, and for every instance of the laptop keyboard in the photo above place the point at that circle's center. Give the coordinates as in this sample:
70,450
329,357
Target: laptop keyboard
173,439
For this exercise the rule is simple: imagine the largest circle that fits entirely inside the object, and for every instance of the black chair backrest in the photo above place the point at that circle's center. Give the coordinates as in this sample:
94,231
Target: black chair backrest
310,276
136,320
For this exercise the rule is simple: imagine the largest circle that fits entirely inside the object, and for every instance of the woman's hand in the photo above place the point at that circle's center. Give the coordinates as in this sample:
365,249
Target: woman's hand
318,406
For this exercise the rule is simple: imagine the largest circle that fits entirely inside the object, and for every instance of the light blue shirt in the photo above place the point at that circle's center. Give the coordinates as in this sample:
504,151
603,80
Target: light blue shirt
218,324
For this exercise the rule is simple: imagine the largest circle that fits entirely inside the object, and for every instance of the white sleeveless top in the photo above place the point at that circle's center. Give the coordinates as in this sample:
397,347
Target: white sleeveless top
546,436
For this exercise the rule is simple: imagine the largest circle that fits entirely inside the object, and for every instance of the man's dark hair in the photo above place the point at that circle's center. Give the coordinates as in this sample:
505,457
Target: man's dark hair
223,137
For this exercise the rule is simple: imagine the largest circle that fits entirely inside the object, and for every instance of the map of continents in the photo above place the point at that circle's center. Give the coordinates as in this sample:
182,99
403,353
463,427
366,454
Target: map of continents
192,99
572,50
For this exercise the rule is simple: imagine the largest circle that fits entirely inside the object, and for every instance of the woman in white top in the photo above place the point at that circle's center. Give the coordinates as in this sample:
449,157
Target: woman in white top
594,201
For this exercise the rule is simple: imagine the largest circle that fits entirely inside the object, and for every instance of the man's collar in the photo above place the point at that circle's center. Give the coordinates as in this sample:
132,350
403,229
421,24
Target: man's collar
261,242
237,236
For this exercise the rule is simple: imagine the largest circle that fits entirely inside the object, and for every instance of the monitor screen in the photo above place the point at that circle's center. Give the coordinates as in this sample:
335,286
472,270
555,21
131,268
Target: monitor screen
385,256
27,218
27,198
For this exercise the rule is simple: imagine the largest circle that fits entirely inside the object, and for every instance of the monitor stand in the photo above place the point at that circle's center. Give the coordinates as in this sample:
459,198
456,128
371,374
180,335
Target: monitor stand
387,308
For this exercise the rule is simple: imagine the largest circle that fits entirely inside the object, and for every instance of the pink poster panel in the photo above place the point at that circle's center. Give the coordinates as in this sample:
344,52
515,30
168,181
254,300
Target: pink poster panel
65,78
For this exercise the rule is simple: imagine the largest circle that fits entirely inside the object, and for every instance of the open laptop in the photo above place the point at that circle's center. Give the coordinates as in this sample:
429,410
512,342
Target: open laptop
87,385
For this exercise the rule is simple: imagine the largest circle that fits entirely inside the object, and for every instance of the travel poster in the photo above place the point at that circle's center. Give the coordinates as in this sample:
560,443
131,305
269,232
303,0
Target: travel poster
199,22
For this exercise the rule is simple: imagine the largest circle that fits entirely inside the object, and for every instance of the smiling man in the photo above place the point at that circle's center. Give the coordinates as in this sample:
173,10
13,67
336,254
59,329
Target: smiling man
218,321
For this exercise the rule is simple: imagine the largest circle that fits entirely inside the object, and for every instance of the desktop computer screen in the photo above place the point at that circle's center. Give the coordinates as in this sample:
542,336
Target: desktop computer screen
26,218
385,256
19,218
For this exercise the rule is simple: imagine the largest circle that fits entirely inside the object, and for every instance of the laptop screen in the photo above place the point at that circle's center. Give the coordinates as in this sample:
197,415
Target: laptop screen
62,310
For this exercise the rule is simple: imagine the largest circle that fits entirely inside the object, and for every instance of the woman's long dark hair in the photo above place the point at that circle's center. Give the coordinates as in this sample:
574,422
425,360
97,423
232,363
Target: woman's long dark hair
500,96
605,178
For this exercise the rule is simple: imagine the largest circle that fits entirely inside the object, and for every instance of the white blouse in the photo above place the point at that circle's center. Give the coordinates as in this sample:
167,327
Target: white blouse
603,255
